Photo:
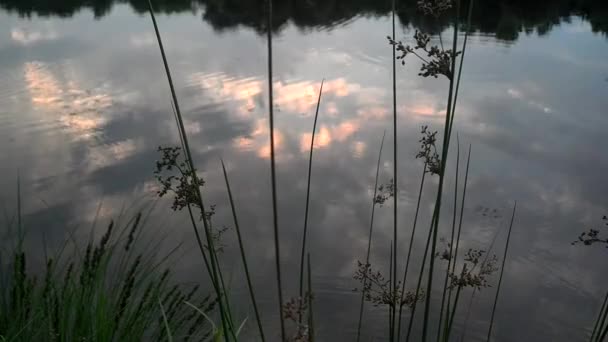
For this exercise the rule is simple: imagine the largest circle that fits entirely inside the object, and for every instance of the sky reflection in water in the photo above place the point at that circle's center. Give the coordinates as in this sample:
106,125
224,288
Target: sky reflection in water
84,104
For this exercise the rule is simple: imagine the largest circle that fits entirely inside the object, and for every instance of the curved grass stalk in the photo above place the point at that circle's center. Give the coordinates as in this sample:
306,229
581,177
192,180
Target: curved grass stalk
243,256
305,231
184,139
369,240
502,270
273,178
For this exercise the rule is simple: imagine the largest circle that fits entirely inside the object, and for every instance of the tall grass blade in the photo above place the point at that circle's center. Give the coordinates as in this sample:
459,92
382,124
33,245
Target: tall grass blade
599,318
409,250
605,332
451,250
602,324
502,270
464,50
390,281
395,182
277,249
445,149
311,319
455,256
165,321
305,230
369,239
243,256
419,284
212,255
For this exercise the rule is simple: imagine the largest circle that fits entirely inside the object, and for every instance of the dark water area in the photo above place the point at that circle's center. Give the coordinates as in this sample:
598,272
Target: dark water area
84,104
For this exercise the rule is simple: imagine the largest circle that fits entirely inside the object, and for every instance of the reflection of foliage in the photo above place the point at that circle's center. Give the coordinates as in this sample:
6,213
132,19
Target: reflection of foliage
428,151
377,290
434,7
445,254
437,61
468,277
504,18
592,236
385,191
292,311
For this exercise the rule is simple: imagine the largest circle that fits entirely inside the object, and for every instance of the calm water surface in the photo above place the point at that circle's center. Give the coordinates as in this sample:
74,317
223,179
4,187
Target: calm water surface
84,103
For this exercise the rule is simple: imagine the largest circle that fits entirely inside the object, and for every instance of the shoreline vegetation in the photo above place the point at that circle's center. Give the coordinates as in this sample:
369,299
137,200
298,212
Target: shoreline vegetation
111,291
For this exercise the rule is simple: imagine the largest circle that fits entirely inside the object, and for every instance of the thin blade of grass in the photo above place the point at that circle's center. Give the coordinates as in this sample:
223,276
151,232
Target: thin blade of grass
448,323
447,271
167,328
277,249
409,251
502,270
599,318
395,166
419,284
390,279
602,324
605,332
305,230
243,256
464,50
311,319
369,239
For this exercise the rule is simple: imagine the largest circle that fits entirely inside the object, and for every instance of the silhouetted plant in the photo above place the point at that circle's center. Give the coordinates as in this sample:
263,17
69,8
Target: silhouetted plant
181,184
428,151
468,277
592,236
377,289
295,308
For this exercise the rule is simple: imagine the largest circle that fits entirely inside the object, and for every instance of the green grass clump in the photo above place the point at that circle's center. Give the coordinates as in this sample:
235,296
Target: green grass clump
109,290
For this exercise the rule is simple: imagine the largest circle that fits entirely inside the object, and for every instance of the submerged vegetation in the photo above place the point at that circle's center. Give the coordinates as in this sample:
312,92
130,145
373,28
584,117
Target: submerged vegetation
113,291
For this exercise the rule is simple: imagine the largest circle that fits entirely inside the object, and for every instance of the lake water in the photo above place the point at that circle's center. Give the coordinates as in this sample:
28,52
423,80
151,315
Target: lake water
84,104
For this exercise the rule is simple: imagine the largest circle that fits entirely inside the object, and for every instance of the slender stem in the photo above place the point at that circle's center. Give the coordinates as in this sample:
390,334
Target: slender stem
418,286
369,239
312,143
391,305
395,183
464,50
502,270
311,320
409,251
450,258
437,210
277,250
602,324
599,318
468,315
604,333
455,257
243,257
